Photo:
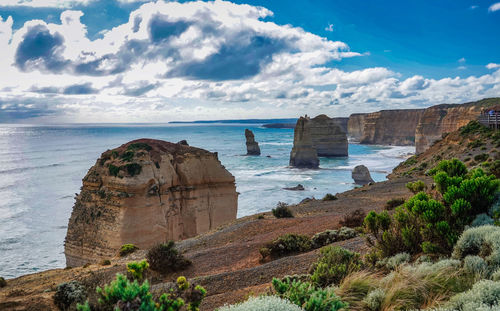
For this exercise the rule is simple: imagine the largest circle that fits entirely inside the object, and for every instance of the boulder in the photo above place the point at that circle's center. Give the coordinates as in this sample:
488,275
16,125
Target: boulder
303,154
328,137
361,175
299,187
183,142
252,145
147,192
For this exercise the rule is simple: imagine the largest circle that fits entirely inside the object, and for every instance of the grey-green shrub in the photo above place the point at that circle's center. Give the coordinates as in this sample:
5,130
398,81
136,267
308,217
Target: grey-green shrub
397,260
69,294
483,241
495,276
331,236
485,293
373,301
476,266
482,220
263,303
333,265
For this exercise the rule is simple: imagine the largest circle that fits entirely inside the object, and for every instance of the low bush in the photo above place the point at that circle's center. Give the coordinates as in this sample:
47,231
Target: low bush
127,249
482,220
485,293
308,296
127,156
331,236
475,144
373,301
482,241
165,258
133,169
481,157
494,168
122,294
474,127
329,197
285,245
113,170
263,303
282,211
333,265
3,282
393,203
139,146
354,219
416,186
392,263
355,287
476,267
105,262
137,269
69,294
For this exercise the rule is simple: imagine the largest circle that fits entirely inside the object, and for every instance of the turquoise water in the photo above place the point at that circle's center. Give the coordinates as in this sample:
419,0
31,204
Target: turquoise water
41,168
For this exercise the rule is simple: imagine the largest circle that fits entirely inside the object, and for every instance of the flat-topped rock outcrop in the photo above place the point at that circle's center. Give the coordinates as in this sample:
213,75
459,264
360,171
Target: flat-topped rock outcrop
147,192
303,154
252,146
328,137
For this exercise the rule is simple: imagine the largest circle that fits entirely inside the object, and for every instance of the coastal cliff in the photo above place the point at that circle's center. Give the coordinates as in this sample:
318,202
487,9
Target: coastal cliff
147,192
355,126
303,154
391,127
441,119
328,137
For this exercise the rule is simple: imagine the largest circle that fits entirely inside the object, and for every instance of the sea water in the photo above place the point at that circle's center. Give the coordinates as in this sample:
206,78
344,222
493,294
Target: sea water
41,170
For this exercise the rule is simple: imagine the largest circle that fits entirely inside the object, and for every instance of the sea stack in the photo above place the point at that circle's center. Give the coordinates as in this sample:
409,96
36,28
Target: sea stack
303,153
252,145
327,137
361,175
147,192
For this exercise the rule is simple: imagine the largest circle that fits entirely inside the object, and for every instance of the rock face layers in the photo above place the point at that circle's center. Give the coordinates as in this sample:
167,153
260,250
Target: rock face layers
146,192
252,145
361,175
356,125
327,137
391,127
303,153
441,119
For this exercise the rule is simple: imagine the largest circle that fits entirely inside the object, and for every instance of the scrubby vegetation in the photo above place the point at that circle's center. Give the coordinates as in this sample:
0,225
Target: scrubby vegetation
137,269
416,187
69,294
331,236
263,303
393,203
333,265
329,197
3,282
282,211
285,245
165,258
127,249
354,219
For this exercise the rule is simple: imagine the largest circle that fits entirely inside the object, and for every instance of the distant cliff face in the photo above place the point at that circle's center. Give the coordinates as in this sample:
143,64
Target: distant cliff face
355,126
328,137
391,127
146,192
441,119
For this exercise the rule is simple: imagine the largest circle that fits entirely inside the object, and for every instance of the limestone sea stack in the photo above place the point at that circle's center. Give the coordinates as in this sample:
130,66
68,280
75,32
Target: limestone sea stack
252,145
328,137
303,153
361,175
147,192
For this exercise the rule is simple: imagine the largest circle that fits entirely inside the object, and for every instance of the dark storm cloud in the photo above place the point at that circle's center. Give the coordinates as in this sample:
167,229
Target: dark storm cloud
239,58
79,89
40,49
161,29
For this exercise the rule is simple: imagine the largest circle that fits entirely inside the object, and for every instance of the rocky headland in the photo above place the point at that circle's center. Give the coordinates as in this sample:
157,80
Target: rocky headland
146,192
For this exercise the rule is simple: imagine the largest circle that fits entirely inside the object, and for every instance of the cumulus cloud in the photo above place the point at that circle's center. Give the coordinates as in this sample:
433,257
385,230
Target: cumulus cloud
203,60
494,7
492,66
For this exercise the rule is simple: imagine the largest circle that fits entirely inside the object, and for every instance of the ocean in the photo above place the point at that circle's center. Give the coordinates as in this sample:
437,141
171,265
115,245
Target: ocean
41,169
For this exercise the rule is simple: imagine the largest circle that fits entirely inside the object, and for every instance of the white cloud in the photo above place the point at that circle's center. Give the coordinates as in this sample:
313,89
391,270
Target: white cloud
462,60
200,60
461,67
329,28
494,7
492,66
45,3
473,7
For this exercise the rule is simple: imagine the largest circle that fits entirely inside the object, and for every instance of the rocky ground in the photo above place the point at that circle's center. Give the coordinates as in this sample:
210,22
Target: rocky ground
226,261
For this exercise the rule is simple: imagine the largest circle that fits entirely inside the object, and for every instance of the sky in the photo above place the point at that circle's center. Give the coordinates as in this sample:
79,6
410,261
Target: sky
116,61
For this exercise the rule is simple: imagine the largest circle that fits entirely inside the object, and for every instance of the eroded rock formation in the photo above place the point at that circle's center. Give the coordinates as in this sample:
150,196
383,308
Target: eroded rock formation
327,136
391,127
355,126
146,192
361,175
252,145
441,119
303,154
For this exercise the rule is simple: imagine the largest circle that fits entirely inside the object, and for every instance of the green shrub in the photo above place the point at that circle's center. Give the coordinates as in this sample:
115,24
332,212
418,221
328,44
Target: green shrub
373,301
133,169
453,167
397,260
139,146
474,127
494,168
393,203
307,295
354,219
69,294
416,187
137,269
333,265
475,144
481,157
127,156
263,303
165,258
282,211
3,282
285,245
483,294
127,249
122,294
113,170
105,262
329,197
